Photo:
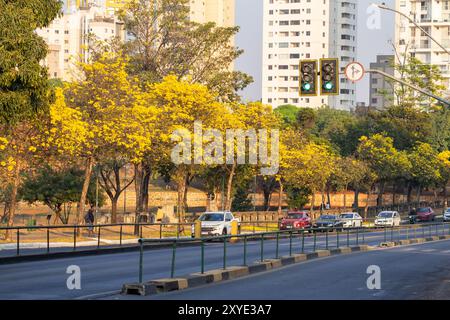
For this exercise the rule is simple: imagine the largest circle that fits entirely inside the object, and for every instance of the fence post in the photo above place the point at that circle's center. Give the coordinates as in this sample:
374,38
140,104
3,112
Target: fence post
262,247
160,231
224,253
174,249
303,241
326,239
141,259
98,239
348,237
277,245
18,241
315,241
203,256
337,238
290,243
245,250
48,240
121,234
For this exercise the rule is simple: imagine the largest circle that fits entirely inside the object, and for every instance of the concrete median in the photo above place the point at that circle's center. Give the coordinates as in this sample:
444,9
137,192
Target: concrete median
234,272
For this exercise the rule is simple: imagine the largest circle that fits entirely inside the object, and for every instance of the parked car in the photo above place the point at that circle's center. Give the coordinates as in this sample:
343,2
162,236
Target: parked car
215,223
296,220
328,221
425,214
388,219
412,217
351,220
447,215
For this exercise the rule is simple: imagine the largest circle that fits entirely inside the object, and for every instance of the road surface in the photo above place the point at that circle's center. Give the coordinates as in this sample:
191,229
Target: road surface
107,273
410,272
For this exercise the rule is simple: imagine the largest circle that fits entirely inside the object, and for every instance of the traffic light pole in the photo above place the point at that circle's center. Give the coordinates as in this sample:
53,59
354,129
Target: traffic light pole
425,32
386,75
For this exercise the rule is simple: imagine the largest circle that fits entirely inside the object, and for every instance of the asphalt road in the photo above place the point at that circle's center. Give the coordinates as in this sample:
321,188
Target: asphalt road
411,272
107,273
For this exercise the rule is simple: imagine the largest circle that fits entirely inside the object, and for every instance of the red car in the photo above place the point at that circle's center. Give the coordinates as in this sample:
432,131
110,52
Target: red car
425,214
296,220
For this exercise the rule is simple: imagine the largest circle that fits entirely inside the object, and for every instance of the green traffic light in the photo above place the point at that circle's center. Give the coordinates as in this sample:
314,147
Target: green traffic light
307,87
328,86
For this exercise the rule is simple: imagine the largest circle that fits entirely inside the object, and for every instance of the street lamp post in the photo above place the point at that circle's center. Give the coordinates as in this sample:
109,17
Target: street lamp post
384,7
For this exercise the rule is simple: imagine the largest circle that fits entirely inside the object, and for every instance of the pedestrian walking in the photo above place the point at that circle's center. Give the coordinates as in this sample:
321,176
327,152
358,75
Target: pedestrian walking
89,220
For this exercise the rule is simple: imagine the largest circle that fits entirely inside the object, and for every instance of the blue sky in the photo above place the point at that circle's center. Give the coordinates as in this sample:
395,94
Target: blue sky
370,42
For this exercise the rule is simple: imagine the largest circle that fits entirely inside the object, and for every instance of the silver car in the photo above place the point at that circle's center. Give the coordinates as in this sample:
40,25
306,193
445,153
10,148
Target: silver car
447,215
351,220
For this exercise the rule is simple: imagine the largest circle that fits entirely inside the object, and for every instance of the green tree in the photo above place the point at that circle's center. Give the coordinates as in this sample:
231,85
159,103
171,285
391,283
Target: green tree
59,190
288,114
166,42
24,86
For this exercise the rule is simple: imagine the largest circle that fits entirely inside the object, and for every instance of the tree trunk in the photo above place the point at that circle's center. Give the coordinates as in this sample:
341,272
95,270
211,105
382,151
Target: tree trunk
114,209
394,193
419,193
280,198
13,200
345,197
313,201
328,196
145,188
230,187
181,188
380,194
366,208
356,200
84,191
444,191
409,193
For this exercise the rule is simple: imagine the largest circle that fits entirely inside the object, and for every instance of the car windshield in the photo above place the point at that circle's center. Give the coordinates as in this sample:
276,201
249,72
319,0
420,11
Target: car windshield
212,217
327,217
346,216
296,215
423,210
385,215
448,210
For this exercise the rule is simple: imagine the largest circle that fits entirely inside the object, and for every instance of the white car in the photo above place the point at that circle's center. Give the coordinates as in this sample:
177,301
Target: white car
388,219
215,223
447,215
351,220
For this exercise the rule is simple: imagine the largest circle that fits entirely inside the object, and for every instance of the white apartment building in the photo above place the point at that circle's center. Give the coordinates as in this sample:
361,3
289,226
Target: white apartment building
434,17
307,29
67,37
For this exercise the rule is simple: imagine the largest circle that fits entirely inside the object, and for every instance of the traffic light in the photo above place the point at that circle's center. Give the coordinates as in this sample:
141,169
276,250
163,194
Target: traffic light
308,78
329,77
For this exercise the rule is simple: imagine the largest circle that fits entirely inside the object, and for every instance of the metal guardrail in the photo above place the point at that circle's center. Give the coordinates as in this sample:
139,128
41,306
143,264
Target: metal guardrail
341,236
177,230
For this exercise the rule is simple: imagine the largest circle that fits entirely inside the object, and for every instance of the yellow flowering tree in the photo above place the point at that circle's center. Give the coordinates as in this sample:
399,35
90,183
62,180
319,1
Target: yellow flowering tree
103,116
181,104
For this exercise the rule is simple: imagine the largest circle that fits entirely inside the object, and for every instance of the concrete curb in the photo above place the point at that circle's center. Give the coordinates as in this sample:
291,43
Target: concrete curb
413,241
213,276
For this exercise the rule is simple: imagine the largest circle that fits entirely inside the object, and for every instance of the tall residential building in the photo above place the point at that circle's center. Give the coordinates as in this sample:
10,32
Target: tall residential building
381,90
222,12
68,36
434,17
306,29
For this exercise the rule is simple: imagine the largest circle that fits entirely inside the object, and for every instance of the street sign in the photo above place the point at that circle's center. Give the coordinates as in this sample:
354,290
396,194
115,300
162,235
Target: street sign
354,71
